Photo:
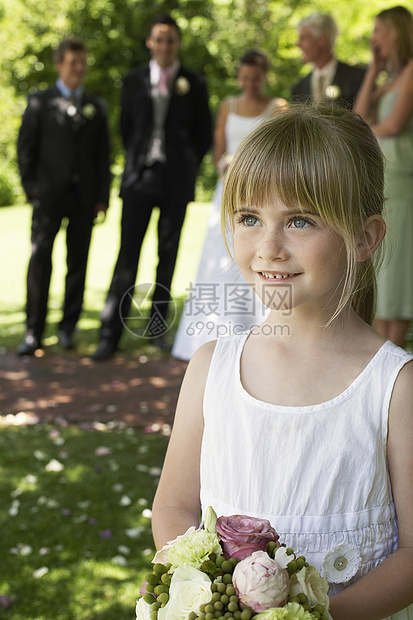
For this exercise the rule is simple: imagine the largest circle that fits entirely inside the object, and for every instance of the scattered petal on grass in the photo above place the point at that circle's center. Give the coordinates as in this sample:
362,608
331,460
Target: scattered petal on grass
16,492
118,487
142,359
147,513
154,472
44,550
42,500
93,521
52,503
14,509
144,449
142,501
114,466
134,532
124,550
23,550
80,519
66,512
31,479
144,407
125,500
143,469
40,572
119,560
103,451
54,465
53,433
6,601
63,454
105,534
39,455
147,552
84,505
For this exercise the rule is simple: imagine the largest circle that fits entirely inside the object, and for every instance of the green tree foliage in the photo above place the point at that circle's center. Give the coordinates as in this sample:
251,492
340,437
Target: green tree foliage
215,33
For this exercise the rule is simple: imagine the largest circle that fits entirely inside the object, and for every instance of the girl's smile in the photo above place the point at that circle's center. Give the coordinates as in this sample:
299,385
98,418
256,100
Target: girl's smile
276,246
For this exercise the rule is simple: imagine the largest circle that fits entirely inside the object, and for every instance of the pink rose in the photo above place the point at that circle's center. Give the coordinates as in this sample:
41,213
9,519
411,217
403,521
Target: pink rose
260,582
241,535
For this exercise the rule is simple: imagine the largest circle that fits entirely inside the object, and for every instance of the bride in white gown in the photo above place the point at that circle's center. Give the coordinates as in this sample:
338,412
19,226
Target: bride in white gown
220,302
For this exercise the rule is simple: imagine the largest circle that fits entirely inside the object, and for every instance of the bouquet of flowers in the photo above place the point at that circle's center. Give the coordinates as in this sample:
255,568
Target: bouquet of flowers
232,568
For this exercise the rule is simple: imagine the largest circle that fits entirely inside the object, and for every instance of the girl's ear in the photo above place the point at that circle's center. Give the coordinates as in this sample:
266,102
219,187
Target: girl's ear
373,233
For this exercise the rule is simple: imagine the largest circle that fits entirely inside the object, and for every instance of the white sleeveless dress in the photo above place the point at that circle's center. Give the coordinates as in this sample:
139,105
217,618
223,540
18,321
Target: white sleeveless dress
317,473
220,302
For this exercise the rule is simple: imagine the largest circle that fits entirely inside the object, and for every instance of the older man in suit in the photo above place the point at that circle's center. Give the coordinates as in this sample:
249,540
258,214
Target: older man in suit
63,156
166,129
330,79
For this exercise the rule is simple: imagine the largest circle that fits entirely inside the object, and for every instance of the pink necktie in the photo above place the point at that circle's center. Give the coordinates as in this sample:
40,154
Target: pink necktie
163,83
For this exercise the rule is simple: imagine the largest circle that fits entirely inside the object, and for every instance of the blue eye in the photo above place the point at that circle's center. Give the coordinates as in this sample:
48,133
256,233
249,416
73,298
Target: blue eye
299,222
250,220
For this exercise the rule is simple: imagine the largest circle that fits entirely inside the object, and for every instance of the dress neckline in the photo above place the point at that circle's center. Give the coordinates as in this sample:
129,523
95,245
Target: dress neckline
303,408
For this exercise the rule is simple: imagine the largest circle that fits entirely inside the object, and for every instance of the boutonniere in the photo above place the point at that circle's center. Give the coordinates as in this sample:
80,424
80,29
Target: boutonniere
333,91
182,86
89,111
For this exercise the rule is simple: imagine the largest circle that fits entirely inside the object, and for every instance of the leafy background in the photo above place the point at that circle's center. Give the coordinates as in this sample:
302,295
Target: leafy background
215,34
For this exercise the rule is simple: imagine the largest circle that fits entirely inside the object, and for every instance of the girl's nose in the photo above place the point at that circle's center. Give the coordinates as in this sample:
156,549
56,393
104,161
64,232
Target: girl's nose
273,247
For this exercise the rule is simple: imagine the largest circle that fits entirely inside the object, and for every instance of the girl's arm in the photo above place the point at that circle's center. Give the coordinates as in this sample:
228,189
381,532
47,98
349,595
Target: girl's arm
177,503
388,588
403,108
220,143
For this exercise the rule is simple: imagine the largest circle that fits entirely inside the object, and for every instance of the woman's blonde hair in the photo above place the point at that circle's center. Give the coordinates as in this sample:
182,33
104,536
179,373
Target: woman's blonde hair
402,21
325,159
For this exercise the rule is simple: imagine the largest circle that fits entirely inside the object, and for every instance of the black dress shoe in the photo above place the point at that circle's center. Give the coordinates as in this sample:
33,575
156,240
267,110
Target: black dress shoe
66,340
29,345
105,349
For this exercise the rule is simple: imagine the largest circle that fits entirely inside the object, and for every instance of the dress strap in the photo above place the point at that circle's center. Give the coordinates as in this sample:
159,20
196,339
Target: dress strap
232,103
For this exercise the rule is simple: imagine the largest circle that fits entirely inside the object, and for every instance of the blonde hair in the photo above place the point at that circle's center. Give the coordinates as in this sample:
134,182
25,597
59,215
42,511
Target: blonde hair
401,19
325,159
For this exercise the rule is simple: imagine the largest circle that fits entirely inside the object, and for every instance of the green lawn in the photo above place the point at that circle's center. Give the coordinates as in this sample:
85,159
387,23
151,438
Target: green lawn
14,257
75,502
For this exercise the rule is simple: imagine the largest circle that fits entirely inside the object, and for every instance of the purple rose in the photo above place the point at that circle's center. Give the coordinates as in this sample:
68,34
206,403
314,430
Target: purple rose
260,582
241,535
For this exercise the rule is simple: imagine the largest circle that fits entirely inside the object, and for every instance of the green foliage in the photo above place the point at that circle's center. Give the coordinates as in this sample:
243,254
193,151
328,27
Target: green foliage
215,33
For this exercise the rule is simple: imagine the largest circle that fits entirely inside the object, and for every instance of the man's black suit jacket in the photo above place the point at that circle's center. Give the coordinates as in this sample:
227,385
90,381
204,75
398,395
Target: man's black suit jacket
188,130
59,145
347,79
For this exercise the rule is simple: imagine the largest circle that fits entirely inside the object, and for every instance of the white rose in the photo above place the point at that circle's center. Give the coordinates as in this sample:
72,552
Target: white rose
143,610
309,582
161,556
189,589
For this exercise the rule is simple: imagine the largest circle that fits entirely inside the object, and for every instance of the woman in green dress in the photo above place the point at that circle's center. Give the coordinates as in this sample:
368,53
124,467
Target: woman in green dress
389,110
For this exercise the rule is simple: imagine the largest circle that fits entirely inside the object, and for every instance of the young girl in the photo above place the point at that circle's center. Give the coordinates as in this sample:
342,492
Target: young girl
306,421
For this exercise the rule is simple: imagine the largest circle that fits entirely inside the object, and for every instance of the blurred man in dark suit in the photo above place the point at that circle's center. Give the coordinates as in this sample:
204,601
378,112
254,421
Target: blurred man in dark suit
63,156
330,79
166,130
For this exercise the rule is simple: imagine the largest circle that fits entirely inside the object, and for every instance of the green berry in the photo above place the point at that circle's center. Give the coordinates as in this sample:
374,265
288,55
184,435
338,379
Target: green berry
302,598
161,589
218,606
246,614
300,563
155,606
292,566
166,579
209,609
227,566
201,615
192,616
237,615
316,615
220,559
224,599
289,551
294,599
233,561
202,608
319,608
209,616
160,569
150,587
232,606
228,614
216,597
214,588
148,598
154,615
221,587
230,590
233,599
227,578
163,597
152,578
